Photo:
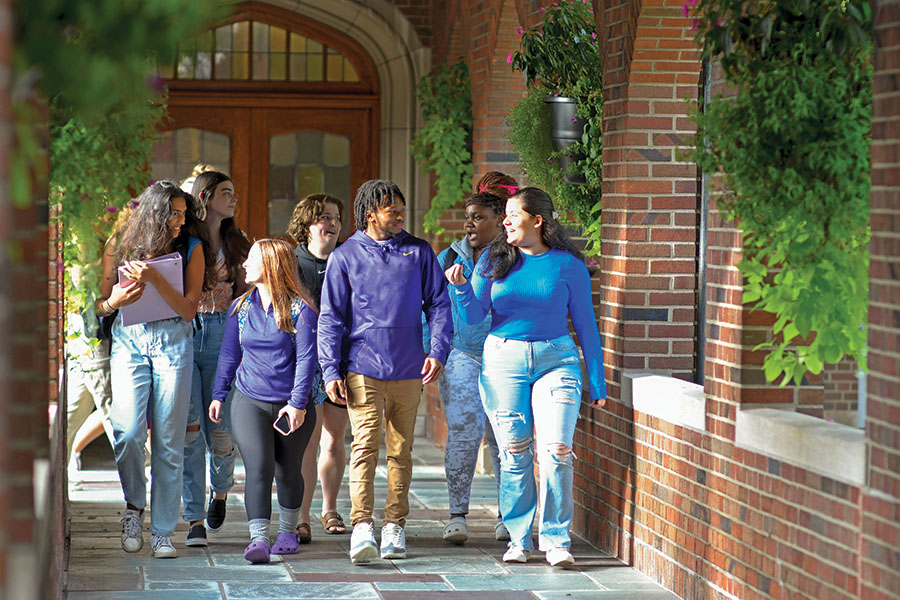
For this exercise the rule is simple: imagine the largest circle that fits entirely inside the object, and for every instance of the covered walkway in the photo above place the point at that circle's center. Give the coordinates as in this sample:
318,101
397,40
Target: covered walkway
98,569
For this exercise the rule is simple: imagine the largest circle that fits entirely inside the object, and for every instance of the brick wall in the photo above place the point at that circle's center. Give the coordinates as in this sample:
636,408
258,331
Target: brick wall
840,391
419,13
880,543
690,508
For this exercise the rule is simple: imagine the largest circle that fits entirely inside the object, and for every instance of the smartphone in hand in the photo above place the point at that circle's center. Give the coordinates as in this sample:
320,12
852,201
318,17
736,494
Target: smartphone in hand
283,424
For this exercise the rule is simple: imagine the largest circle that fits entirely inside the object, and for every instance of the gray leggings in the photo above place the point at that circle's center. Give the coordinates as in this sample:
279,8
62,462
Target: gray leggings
267,454
467,423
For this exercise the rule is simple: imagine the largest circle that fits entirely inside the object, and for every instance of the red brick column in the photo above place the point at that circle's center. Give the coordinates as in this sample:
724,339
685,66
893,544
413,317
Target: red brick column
880,544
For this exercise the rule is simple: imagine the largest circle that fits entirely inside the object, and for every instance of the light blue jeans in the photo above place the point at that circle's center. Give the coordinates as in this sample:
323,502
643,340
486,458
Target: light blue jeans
150,365
532,391
214,438
466,426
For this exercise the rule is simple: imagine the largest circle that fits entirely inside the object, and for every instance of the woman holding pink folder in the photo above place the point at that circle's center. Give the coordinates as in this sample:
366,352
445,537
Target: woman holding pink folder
151,362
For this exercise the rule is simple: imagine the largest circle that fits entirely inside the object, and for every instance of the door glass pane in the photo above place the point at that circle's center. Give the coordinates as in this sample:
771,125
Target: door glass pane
178,152
303,163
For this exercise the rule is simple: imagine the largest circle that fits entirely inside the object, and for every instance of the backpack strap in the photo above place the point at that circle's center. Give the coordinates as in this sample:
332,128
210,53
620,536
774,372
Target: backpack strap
450,258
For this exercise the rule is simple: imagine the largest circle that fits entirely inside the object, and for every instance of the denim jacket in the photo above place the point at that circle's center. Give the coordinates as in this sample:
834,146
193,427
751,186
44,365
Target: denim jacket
467,338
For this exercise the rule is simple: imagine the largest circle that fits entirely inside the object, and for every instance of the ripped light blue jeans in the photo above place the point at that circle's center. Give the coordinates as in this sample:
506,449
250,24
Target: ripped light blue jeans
532,394
214,438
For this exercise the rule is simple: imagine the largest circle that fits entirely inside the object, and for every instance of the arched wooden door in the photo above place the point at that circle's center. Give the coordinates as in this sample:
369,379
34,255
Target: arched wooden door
286,106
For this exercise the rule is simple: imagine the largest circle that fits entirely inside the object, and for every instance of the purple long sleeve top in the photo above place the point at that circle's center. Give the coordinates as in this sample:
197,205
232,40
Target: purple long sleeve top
264,362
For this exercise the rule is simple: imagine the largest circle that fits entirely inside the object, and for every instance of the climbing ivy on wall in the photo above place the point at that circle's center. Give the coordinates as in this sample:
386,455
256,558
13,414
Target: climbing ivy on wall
793,146
90,65
443,144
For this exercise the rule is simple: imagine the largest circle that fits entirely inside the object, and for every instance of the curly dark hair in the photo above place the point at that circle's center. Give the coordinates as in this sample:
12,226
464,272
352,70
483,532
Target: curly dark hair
146,234
487,200
502,256
235,244
497,183
306,212
372,195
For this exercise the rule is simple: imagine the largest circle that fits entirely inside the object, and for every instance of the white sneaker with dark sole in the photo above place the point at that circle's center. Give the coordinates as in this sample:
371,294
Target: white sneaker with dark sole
393,541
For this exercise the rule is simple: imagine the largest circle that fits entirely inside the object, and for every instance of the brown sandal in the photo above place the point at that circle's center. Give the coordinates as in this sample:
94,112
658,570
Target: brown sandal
333,523
304,533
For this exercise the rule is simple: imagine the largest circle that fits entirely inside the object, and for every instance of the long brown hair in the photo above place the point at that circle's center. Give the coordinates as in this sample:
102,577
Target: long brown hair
279,275
499,184
235,244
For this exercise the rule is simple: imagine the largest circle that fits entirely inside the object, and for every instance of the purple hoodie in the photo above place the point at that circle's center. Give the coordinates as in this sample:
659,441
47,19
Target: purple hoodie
372,300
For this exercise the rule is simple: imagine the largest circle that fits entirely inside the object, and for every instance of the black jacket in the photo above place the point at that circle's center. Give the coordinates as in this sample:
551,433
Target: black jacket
312,272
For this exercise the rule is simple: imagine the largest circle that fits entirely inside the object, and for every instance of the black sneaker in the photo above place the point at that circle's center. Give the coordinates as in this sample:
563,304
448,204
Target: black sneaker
215,514
196,536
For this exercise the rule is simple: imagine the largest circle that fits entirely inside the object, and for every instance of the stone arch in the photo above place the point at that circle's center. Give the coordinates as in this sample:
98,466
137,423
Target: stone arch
400,60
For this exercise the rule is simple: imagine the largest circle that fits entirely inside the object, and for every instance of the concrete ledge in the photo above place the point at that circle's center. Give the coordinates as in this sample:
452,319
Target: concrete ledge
673,400
829,449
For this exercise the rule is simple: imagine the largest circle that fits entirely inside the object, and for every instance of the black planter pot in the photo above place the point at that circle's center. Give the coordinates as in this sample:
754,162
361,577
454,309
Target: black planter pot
566,129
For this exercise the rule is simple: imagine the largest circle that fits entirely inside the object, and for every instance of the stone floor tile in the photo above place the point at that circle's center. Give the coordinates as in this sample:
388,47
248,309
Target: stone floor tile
105,581
557,581
447,565
657,594
433,595
209,586
271,572
437,586
304,591
368,576
147,595
340,564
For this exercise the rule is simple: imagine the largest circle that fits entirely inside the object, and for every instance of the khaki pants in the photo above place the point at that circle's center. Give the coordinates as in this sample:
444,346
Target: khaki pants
371,401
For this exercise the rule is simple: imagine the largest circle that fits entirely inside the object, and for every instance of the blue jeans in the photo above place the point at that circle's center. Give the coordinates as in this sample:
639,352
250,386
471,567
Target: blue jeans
150,366
532,390
212,437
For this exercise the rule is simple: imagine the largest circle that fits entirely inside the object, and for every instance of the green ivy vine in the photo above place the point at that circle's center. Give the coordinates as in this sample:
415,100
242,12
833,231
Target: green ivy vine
793,145
443,144
92,62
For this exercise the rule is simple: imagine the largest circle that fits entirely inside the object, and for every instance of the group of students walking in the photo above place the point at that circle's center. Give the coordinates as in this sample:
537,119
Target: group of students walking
278,347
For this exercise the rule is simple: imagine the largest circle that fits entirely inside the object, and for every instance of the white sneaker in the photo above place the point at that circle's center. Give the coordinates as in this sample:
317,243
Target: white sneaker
456,531
516,554
393,541
161,547
362,543
560,557
132,524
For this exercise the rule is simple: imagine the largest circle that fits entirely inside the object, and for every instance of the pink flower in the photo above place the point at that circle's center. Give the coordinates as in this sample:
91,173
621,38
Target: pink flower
111,209
695,24
509,58
519,30
719,22
133,204
550,159
594,34
566,42
685,9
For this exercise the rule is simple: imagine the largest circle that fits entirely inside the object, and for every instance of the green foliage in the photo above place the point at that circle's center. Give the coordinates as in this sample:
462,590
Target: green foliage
563,54
794,147
443,144
562,58
529,133
93,61
95,172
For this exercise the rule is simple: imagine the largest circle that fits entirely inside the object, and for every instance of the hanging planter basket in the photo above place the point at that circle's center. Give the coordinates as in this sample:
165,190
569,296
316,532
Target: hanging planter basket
566,128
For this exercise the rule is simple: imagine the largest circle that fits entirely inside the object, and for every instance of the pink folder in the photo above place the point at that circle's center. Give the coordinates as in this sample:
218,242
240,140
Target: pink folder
151,306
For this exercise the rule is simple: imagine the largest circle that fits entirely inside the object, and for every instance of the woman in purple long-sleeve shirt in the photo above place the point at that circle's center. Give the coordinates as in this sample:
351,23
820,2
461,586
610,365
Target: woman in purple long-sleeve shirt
269,354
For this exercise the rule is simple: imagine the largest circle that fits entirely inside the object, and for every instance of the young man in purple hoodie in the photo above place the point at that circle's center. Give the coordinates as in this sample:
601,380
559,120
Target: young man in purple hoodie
377,285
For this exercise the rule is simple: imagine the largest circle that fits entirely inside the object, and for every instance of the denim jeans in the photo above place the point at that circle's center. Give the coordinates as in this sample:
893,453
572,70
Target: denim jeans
214,438
466,426
150,365
532,391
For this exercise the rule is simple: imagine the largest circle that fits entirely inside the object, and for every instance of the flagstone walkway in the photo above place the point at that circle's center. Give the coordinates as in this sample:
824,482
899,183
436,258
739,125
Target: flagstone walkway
434,570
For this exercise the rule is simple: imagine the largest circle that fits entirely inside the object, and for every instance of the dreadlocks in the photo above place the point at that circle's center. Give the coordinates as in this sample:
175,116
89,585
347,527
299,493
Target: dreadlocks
372,195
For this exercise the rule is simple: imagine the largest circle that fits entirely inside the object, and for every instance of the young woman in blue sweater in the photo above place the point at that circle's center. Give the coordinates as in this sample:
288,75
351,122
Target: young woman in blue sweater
532,281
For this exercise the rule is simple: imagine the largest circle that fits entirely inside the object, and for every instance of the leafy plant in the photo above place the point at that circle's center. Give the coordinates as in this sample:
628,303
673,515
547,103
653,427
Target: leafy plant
562,58
443,144
793,145
92,61
563,54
